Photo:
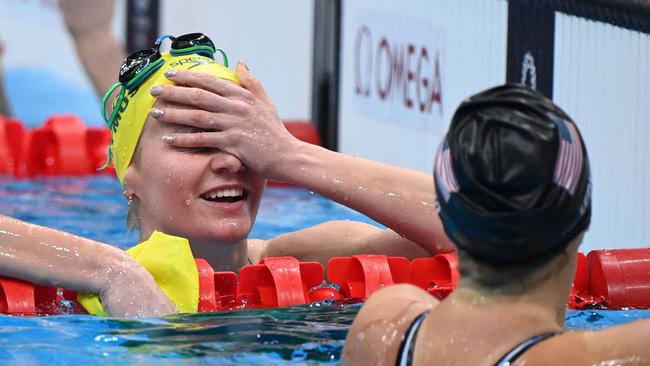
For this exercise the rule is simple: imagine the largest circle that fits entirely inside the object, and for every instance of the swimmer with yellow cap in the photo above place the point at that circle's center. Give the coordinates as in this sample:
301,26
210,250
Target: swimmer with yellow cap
192,145
142,70
170,117
168,258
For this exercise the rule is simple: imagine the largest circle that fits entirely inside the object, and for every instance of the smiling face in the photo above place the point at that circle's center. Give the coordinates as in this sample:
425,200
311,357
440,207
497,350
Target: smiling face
204,195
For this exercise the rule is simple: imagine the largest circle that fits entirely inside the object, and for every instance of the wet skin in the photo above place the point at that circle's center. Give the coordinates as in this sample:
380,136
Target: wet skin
172,186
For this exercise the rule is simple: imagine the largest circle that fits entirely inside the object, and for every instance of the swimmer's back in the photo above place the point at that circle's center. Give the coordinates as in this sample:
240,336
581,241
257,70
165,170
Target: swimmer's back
468,338
377,332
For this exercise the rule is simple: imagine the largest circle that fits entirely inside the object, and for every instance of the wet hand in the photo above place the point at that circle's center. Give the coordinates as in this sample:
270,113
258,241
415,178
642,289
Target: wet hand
239,120
131,291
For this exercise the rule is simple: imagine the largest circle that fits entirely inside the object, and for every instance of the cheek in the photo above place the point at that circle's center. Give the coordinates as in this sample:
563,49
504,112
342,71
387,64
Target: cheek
170,169
260,184
167,187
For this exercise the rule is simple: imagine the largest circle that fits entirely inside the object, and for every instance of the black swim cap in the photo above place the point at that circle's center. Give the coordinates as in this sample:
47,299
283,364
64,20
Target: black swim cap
512,176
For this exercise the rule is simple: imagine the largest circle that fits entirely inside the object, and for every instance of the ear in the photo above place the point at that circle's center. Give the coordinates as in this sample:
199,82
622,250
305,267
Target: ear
132,181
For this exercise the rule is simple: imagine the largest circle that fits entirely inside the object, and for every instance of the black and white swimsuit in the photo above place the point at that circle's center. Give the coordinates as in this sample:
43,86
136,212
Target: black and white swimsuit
405,353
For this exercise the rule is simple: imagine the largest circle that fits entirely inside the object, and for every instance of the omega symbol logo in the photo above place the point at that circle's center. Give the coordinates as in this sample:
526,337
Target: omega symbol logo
529,71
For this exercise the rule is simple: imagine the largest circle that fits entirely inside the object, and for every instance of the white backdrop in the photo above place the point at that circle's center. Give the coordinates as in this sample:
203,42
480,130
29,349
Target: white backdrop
274,38
602,80
467,38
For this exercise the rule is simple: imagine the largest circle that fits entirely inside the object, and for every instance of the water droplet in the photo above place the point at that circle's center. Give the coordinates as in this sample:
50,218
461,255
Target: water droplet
104,338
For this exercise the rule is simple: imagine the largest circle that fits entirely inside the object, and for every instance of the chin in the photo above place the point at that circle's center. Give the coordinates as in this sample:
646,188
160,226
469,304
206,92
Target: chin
228,233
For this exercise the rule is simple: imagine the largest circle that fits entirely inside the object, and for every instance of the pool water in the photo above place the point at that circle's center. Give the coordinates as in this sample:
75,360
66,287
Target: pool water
94,207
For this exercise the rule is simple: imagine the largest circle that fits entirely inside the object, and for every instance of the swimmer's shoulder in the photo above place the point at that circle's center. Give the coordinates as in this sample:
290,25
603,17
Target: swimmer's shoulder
627,344
256,249
379,328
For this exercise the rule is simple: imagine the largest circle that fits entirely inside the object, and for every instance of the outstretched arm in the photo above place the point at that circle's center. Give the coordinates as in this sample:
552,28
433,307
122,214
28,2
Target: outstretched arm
625,344
244,122
338,238
89,24
54,258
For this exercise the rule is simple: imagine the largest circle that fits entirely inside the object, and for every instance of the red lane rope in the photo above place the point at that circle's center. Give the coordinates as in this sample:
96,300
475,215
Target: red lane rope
605,279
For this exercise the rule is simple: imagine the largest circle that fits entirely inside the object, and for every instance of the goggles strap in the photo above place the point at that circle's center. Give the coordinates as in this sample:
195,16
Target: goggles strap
116,108
163,37
223,54
108,159
105,99
200,49
144,74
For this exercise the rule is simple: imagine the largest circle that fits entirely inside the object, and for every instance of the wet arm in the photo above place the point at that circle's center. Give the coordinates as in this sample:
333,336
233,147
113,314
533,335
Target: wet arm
248,127
341,238
399,198
627,344
53,258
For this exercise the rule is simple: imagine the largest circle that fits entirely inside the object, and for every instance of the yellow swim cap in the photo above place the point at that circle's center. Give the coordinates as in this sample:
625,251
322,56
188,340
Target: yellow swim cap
136,104
170,261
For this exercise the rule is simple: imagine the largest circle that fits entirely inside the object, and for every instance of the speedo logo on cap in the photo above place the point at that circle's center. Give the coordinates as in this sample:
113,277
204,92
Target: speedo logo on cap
194,60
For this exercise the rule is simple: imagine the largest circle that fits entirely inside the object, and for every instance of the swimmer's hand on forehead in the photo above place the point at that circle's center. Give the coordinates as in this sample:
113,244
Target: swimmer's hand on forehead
245,124
170,128
240,120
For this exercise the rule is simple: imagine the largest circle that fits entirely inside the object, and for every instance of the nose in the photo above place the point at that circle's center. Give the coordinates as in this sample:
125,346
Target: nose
223,163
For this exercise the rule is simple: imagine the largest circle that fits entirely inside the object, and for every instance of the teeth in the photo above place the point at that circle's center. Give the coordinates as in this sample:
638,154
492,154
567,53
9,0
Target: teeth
231,192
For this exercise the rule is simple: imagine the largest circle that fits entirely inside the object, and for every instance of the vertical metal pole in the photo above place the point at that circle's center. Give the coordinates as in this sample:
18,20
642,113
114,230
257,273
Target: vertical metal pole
4,103
325,82
531,42
142,19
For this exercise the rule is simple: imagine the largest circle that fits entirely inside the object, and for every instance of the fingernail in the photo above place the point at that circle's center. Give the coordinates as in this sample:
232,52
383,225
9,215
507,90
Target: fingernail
156,90
244,64
168,139
156,112
171,73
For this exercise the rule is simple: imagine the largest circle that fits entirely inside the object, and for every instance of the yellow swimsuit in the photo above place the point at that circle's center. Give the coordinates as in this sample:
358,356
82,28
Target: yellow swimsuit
171,263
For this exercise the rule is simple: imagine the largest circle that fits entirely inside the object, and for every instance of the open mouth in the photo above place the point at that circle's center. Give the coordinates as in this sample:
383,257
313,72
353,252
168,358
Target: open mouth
227,195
